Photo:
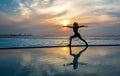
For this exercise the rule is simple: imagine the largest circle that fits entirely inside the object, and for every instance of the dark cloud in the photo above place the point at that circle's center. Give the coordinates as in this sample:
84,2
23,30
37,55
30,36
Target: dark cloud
13,29
114,14
101,30
111,1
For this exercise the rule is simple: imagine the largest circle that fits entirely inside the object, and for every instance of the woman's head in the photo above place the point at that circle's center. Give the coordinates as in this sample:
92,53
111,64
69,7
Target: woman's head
75,24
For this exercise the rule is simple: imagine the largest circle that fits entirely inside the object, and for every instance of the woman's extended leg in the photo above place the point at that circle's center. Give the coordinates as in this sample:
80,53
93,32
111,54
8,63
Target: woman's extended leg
83,40
71,39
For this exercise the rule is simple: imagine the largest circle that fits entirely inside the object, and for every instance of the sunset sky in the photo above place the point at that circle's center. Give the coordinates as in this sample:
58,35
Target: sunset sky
47,17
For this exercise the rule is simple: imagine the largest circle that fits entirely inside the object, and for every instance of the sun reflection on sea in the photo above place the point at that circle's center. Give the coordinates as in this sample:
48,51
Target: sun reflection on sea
65,48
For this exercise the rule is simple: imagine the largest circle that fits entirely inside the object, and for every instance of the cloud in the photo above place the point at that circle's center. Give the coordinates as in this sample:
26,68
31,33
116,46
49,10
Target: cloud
36,15
17,24
40,8
6,18
62,9
114,14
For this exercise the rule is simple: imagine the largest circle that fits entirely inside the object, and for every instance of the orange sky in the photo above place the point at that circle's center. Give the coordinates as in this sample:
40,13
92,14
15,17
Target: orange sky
46,17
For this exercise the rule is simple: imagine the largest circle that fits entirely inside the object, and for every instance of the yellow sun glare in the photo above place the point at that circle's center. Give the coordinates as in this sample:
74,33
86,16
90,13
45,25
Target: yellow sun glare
64,48
65,22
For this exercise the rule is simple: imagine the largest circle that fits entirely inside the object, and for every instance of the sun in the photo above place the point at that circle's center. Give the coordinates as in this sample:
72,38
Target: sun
65,22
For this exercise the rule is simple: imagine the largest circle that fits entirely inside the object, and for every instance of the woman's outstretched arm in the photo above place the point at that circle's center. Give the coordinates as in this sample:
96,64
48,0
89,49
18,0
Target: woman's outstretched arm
68,26
82,26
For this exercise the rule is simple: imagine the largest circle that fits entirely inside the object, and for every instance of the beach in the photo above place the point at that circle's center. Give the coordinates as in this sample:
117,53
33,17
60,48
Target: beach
95,61
59,37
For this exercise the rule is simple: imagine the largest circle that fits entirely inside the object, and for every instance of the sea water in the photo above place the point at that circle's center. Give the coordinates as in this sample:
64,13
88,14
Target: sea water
52,41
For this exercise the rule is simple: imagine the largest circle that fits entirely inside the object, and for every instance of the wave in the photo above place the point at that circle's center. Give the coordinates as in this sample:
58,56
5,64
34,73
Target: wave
25,42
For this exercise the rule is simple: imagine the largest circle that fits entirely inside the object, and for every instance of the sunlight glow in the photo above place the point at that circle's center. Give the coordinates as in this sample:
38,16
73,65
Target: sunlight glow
65,48
65,22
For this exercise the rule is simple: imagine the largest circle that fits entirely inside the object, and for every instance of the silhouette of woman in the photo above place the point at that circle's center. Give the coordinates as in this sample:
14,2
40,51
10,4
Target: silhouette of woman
76,33
76,57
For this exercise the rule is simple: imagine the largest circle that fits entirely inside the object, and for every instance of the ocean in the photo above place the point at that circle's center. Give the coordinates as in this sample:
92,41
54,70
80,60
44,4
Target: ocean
59,61
6,42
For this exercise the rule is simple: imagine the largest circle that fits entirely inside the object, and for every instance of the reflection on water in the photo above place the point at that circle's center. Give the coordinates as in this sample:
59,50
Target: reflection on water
76,57
101,61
